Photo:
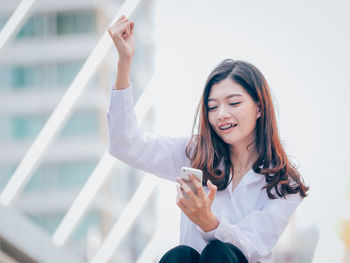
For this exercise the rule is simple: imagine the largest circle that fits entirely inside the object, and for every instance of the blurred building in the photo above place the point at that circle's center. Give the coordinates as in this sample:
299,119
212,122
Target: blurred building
36,68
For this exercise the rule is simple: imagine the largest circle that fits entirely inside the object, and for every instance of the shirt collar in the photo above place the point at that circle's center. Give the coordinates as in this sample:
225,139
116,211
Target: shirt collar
249,178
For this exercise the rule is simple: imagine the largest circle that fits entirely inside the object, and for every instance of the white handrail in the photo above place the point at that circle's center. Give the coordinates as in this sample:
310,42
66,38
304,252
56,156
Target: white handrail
61,113
163,239
96,179
52,127
84,198
15,21
126,219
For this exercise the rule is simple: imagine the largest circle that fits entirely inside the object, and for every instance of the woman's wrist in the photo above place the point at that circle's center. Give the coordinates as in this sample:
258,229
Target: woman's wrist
212,224
123,74
124,61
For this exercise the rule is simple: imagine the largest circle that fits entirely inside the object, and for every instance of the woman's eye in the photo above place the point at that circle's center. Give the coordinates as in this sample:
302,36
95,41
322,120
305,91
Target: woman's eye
212,108
234,103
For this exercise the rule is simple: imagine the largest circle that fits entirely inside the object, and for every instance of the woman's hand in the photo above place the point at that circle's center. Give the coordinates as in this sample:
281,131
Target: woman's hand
198,206
123,37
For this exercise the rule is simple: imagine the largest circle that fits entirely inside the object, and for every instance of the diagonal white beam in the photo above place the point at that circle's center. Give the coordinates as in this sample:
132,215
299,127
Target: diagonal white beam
167,232
126,219
15,21
84,198
25,237
151,251
98,176
61,113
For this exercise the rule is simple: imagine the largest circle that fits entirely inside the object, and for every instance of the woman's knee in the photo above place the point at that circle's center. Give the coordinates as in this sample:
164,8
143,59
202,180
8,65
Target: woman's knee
218,251
180,254
214,246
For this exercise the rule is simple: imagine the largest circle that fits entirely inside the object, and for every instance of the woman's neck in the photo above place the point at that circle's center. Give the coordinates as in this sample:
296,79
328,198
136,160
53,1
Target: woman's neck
243,157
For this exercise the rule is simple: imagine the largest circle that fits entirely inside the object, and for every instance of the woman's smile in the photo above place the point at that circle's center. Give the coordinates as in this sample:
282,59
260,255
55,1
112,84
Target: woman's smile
227,127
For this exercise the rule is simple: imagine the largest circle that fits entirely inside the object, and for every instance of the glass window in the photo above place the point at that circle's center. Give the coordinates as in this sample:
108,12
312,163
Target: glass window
51,222
25,127
67,71
81,123
5,78
18,77
93,218
74,174
28,76
85,22
51,76
65,24
40,25
51,24
60,176
40,180
6,172
3,21
5,131
29,126
34,27
48,222
75,23
39,76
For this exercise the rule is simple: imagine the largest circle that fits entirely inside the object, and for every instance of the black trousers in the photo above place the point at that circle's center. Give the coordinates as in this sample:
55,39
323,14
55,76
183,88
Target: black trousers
215,252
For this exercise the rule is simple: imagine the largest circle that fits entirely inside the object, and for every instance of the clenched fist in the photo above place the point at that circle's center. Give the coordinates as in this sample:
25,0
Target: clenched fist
123,37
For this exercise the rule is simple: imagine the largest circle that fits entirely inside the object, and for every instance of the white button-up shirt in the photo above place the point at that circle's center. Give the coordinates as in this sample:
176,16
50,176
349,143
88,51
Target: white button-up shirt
248,218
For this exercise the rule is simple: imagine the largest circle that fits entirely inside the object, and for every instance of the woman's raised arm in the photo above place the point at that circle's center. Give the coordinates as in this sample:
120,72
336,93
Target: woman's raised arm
162,156
122,35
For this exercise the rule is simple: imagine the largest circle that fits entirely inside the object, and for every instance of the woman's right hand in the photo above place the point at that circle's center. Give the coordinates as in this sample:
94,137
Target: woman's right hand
123,37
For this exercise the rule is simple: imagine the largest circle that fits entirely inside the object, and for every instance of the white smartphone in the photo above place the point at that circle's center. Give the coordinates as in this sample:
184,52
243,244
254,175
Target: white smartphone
185,175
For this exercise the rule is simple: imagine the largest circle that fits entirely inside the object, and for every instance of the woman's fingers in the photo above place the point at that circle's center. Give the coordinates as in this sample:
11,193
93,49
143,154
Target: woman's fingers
187,189
212,190
181,201
122,17
123,38
119,29
198,185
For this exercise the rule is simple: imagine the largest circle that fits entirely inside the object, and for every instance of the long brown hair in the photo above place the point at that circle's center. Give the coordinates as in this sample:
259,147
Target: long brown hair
208,152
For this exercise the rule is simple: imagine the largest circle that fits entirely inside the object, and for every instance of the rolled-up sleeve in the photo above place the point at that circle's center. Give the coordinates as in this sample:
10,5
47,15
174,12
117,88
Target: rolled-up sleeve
158,155
257,233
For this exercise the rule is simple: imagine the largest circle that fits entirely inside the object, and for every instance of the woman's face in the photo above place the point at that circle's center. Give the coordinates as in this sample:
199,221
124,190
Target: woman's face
232,113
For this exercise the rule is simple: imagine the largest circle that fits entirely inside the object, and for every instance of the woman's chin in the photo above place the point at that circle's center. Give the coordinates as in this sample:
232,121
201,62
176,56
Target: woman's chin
229,141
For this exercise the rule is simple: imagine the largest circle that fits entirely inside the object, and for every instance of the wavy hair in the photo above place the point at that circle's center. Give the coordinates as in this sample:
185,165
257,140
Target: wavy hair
208,152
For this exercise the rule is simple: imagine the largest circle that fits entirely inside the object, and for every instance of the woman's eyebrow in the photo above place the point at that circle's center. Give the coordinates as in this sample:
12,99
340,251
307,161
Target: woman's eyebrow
227,97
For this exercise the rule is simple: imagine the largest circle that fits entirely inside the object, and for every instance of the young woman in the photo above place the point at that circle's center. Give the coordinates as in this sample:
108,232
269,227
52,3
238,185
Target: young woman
249,191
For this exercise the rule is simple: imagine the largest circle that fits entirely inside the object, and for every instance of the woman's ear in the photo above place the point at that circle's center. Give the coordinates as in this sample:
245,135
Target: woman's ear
258,113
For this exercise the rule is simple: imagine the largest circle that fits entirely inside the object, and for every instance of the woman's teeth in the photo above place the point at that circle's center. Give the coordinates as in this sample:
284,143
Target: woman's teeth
225,127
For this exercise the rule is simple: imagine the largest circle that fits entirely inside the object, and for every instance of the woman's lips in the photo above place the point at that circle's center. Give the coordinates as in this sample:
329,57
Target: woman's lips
229,129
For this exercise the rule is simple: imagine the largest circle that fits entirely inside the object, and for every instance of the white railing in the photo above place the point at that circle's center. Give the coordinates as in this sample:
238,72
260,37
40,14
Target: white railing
96,179
55,123
15,21
61,113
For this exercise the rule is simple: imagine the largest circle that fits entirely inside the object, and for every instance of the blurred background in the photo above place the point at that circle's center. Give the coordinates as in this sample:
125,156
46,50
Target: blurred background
64,200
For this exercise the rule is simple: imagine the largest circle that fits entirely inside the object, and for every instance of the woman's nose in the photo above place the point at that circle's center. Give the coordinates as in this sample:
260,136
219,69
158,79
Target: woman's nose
223,113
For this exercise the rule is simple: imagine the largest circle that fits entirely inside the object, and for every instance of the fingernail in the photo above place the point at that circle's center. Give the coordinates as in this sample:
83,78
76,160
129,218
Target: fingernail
209,182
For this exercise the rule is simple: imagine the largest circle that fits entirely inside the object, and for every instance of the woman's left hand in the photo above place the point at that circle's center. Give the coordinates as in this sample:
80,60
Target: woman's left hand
198,206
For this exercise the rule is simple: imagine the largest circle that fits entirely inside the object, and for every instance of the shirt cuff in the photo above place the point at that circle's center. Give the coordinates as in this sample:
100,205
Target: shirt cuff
210,236
226,232
121,100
